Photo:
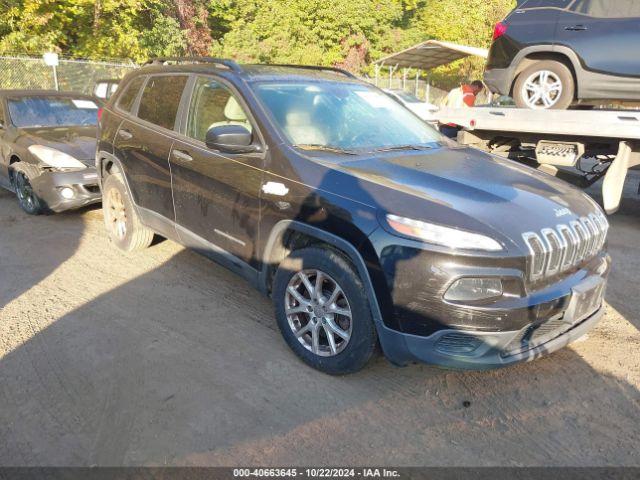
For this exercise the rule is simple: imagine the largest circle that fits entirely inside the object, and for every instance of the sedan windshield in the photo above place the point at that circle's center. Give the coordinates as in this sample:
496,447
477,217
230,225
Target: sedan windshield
343,116
52,111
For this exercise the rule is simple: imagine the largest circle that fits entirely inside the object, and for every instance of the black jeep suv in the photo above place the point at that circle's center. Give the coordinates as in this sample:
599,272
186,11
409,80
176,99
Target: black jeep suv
363,223
552,53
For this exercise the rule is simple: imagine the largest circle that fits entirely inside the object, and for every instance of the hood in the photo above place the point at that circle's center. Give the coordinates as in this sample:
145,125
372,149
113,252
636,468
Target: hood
470,190
77,141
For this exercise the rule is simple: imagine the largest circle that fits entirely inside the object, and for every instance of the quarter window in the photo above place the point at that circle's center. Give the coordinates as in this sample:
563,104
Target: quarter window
607,8
125,102
213,104
161,99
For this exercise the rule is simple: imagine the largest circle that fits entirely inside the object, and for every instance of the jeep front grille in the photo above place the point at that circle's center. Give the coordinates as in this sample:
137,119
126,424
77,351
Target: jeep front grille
555,250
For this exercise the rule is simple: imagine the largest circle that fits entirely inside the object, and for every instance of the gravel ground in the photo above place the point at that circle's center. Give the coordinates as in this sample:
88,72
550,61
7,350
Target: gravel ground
164,358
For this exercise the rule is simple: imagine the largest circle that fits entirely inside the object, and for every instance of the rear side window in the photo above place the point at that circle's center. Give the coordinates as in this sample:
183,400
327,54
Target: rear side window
544,4
125,102
161,99
607,8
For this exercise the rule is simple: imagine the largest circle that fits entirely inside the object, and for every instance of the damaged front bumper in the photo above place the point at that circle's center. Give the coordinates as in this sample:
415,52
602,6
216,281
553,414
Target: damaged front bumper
61,190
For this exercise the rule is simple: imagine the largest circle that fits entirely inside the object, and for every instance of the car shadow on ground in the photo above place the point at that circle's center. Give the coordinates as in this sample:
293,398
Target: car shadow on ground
57,242
183,364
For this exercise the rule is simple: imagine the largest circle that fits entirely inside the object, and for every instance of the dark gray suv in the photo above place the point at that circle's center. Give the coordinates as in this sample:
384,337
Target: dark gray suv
552,53
362,222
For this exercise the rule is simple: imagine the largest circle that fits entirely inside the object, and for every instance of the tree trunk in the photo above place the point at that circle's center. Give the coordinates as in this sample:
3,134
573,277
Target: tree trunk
192,16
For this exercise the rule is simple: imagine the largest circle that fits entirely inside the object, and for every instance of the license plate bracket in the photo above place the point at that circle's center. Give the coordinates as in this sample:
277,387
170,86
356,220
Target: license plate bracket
586,299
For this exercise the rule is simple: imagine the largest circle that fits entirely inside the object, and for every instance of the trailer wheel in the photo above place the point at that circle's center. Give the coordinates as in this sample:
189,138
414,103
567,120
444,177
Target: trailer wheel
545,85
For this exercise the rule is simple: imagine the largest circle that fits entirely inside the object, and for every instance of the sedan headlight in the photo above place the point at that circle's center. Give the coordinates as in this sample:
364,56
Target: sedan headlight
439,235
55,158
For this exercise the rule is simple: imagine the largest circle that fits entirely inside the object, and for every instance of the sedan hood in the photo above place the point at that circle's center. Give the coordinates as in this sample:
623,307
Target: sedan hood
77,141
470,190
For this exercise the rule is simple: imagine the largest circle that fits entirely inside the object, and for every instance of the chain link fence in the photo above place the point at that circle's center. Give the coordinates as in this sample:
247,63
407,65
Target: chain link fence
19,72
22,72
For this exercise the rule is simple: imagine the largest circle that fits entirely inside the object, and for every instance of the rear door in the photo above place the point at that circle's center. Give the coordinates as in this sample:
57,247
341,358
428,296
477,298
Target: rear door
143,142
216,194
605,34
534,22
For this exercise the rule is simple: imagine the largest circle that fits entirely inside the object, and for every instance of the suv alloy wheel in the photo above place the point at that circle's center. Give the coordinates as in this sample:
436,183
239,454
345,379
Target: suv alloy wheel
323,311
544,85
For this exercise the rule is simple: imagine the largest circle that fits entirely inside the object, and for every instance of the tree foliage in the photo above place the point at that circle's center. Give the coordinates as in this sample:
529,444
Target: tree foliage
347,33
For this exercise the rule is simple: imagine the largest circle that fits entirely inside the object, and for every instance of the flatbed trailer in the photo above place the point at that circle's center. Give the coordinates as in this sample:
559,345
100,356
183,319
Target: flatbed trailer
580,146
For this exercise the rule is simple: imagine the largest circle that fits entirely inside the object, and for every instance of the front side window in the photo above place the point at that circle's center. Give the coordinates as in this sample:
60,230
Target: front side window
125,102
607,8
342,115
52,111
160,100
213,104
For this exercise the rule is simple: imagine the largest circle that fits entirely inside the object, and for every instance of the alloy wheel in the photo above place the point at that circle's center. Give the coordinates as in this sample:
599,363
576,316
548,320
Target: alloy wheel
318,312
542,90
116,214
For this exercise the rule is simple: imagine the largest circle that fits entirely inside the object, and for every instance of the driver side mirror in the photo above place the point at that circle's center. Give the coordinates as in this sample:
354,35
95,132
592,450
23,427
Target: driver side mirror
231,139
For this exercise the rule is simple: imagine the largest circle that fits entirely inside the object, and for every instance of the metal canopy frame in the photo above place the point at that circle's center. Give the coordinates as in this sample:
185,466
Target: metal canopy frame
430,54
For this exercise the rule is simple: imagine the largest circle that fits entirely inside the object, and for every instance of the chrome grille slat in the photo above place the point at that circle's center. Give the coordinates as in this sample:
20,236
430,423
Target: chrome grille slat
558,249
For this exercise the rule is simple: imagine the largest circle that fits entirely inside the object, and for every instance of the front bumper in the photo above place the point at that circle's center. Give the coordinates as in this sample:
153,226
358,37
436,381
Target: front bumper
49,186
499,80
485,350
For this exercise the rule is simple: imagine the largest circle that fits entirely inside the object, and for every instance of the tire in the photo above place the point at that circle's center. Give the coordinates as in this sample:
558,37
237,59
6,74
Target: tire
340,358
123,225
545,73
22,175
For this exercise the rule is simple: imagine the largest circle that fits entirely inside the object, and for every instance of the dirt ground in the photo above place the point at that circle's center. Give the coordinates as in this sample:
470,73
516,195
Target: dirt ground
164,358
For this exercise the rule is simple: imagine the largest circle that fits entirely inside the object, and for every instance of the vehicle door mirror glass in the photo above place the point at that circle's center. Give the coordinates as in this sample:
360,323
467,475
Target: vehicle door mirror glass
230,139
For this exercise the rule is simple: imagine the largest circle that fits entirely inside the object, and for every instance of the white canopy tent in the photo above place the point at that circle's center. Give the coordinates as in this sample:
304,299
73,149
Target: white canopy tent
430,54
425,56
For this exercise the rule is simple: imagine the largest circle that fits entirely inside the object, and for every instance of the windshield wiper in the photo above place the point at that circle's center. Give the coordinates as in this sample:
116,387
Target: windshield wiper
403,147
324,148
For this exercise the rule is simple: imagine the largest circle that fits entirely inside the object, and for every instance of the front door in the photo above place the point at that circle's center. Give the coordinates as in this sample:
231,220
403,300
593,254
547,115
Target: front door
216,195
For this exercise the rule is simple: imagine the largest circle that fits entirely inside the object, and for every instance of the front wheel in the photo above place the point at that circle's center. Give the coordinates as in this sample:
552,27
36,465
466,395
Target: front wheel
27,197
124,227
545,85
323,311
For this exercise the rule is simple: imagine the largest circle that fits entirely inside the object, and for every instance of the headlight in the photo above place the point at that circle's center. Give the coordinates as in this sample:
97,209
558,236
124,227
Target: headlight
448,237
55,158
474,289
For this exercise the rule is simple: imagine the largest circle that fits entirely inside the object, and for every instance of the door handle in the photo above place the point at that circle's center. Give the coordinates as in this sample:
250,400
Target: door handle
576,28
126,134
180,155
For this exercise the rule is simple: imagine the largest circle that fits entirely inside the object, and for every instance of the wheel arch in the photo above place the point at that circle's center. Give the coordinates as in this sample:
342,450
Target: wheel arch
301,234
563,55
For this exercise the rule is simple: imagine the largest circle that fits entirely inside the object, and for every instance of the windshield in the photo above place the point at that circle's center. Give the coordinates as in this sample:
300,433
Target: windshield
343,116
52,111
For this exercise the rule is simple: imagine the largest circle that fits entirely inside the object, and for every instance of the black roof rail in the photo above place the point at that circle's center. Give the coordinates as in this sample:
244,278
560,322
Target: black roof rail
230,64
317,67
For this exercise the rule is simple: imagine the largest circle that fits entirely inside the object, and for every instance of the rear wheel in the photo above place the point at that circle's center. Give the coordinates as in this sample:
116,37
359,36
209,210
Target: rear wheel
123,224
27,197
323,311
546,84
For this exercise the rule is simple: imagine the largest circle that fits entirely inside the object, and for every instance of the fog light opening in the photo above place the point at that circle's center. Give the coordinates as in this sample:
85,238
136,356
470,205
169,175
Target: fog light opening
67,193
474,289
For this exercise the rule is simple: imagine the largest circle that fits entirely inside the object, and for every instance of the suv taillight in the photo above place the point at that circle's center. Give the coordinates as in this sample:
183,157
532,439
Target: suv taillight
499,30
100,113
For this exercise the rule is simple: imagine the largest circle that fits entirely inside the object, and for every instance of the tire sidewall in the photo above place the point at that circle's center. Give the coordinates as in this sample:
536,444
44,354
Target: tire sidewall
363,339
115,182
37,203
559,69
